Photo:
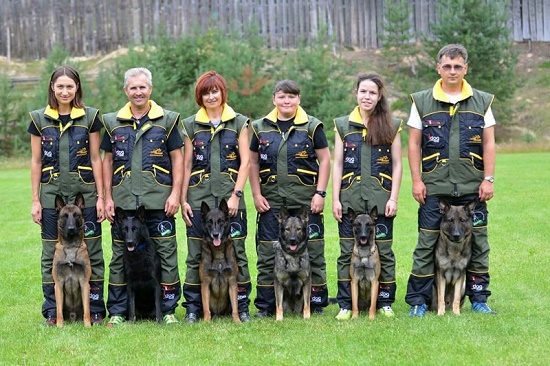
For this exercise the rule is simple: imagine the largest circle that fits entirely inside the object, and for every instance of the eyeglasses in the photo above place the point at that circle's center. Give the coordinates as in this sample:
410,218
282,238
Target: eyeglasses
447,67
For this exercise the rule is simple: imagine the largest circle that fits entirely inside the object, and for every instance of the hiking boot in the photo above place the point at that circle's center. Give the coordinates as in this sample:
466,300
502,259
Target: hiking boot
96,319
115,320
482,307
387,311
191,318
264,314
51,321
418,310
244,317
344,314
170,319
318,310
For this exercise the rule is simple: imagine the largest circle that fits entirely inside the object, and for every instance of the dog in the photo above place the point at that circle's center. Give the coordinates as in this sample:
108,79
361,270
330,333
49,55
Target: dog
292,273
141,266
452,254
71,268
365,263
218,266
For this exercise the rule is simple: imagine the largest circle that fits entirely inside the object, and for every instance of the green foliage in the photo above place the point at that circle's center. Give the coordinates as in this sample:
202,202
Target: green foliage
396,37
12,129
483,28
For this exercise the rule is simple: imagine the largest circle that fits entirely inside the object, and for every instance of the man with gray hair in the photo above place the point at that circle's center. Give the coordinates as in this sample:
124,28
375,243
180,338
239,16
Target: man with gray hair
143,165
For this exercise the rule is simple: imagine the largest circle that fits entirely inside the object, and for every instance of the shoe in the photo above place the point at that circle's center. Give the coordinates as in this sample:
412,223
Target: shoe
344,314
191,318
244,317
115,320
264,314
170,319
387,311
318,310
96,319
418,310
51,321
482,307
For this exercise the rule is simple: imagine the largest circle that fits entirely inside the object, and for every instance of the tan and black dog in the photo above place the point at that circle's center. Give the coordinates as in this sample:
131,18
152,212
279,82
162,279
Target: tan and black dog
365,263
452,254
71,268
218,266
292,272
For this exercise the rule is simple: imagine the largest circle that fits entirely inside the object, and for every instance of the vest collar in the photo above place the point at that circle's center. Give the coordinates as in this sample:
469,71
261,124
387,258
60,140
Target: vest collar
300,118
227,114
155,112
440,95
54,113
356,119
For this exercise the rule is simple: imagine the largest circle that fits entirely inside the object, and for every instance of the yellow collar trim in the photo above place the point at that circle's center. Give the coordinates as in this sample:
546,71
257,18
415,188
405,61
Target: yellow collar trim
440,95
155,112
299,119
54,113
355,117
227,114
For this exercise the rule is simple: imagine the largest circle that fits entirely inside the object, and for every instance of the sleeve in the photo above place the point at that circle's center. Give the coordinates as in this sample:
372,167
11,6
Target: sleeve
319,138
96,125
254,143
33,130
414,118
174,140
489,118
106,143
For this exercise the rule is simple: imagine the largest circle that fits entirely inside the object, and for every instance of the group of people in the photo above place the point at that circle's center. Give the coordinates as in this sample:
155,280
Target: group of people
151,159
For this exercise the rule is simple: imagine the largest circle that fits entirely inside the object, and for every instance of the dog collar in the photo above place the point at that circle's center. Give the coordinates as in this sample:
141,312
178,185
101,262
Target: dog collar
141,246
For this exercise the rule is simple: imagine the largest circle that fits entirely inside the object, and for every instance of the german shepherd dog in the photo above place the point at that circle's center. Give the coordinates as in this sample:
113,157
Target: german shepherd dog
365,263
292,280
71,269
141,266
218,266
452,254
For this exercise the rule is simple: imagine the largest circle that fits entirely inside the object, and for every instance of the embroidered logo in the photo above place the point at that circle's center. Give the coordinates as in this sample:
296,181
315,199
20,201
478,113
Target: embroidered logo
231,156
157,152
82,152
383,160
301,155
476,139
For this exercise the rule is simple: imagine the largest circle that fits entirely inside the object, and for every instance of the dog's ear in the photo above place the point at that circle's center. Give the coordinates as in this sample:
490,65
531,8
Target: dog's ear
140,214
443,206
351,214
204,209
470,206
223,207
304,213
283,214
59,202
119,214
374,213
79,201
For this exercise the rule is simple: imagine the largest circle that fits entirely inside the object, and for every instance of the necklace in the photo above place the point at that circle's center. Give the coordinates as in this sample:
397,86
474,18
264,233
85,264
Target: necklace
141,115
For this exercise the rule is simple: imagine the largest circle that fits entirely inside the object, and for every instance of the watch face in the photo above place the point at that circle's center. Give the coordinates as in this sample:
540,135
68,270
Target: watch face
239,193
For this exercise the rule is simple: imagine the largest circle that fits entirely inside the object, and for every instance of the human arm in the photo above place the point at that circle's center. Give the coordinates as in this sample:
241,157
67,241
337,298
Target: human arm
486,188
186,209
261,204
244,168
172,204
397,173
415,148
337,169
97,169
107,166
318,202
36,172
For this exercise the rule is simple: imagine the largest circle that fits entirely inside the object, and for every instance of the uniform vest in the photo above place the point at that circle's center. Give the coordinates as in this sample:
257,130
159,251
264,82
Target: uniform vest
66,163
142,169
367,170
216,158
452,139
288,162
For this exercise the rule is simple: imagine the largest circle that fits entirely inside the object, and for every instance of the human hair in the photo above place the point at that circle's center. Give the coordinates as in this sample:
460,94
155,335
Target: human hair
137,71
380,128
287,86
207,82
71,73
453,51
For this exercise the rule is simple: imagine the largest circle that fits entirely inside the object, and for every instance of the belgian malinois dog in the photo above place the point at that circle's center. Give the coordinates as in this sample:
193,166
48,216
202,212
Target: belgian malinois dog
365,263
218,266
292,282
452,254
71,268
141,266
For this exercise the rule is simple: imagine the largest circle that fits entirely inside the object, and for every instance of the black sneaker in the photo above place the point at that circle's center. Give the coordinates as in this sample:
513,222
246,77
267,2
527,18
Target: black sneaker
191,318
51,321
264,314
96,319
318,310
244,317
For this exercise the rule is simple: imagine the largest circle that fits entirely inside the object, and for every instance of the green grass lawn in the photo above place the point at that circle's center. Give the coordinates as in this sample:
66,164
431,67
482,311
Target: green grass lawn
520,270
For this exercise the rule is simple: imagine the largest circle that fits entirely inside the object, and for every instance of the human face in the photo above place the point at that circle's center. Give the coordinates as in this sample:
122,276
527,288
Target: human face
368,95
64,89
286,104
212,99
138,91
452,72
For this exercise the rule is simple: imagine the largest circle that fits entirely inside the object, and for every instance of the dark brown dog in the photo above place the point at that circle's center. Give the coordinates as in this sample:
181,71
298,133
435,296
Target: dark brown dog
218,266
292,281
452,254
71,269
365,263
141,266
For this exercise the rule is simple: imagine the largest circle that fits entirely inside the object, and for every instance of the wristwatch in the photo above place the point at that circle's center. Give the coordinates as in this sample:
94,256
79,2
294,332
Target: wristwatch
238,193
489,179
321,193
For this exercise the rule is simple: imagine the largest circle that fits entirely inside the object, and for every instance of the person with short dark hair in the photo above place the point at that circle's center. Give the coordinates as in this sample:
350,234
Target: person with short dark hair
65,161
216,165
451,156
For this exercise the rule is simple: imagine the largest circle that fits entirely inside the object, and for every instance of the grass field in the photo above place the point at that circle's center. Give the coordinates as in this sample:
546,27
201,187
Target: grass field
518,335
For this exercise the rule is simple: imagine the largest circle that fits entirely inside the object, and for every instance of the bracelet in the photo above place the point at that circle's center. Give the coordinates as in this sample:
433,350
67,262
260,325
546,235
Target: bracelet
391,199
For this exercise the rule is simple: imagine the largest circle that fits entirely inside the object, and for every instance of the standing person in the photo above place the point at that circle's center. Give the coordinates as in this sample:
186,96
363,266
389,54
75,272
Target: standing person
216,167
367,173
65,160
451,156
289,167
141,145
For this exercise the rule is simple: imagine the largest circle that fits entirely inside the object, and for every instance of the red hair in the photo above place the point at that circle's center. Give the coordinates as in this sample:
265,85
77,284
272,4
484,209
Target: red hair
208,81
